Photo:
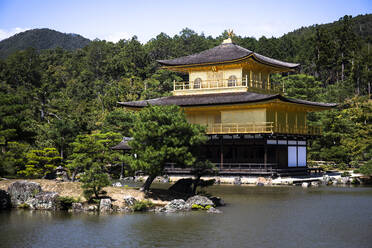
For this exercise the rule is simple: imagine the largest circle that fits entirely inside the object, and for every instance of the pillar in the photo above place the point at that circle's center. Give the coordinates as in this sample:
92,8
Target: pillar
221,152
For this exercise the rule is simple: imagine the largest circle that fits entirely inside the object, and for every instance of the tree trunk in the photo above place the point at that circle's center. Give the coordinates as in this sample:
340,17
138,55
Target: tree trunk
195,186
96,190
73,175
148,182
122,171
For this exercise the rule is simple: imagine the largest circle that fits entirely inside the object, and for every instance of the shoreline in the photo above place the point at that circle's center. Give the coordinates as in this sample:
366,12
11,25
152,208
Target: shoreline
334,178
55,195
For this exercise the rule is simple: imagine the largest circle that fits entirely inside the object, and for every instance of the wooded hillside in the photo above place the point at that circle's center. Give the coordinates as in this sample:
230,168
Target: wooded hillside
41,39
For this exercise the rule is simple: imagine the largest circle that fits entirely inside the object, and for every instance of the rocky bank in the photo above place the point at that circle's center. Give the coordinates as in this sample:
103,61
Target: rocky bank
48,194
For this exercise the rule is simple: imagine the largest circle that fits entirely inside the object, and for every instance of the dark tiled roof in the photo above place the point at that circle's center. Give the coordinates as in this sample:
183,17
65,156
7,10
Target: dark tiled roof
123,145
218,99
224,53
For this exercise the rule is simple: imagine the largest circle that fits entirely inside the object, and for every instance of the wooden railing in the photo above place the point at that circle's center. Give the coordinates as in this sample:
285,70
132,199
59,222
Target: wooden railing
260,127
250,84
306,130
234,128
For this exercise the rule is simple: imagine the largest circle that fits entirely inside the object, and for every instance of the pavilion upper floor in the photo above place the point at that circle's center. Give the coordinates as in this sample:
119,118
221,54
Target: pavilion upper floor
243,113
227,68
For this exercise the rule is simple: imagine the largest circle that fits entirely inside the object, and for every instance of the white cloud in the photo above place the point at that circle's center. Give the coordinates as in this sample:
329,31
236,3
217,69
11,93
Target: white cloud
115,37
10,32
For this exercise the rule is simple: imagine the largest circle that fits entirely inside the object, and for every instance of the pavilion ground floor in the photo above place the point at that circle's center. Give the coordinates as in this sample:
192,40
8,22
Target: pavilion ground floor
259,154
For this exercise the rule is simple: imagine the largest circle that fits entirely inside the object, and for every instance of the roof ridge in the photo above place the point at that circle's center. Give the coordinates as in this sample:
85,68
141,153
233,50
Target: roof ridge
225,52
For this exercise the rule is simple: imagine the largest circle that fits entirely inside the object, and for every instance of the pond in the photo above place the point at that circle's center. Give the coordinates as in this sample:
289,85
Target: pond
253,217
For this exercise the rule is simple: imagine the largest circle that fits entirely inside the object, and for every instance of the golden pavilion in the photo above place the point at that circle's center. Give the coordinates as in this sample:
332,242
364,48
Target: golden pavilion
253,129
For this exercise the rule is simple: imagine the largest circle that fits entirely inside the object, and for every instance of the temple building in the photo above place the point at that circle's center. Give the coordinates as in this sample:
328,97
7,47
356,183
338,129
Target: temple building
253,129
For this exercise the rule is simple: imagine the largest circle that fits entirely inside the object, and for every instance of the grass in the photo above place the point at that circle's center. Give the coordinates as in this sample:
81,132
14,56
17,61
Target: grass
143,205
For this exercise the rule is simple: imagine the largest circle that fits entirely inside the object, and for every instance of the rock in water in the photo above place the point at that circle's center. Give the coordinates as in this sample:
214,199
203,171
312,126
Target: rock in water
177,205
199,200
237,180
129,200
77,207
44,201
345,180
314,184
305,185
261,181
105,205
217,201
183,186
91,208
5,202
22,191
214,211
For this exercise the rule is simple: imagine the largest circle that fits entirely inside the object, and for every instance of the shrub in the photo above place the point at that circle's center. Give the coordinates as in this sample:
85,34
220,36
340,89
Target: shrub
197,207
312,164
355,181
327,167
141,206
342,166
345,174
366,169
88,193
354,164
65,202
24,206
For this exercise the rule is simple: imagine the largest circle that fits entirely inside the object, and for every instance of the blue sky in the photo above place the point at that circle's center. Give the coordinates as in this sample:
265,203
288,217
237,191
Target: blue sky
113,20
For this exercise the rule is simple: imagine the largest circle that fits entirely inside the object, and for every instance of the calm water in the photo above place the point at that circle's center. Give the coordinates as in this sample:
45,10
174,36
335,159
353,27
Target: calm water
254,217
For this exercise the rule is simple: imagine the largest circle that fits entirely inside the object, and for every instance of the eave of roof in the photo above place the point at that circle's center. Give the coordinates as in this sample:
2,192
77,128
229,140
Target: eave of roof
219,99
123,145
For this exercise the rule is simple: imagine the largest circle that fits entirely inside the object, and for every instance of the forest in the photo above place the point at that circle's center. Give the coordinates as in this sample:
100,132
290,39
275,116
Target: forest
52,101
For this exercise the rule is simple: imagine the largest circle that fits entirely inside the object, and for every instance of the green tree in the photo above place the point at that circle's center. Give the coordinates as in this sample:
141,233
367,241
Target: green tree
346,134
324,55
41,163
94,179
93,150
13,159
347,44
15,117
162,135
119,120
300,86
